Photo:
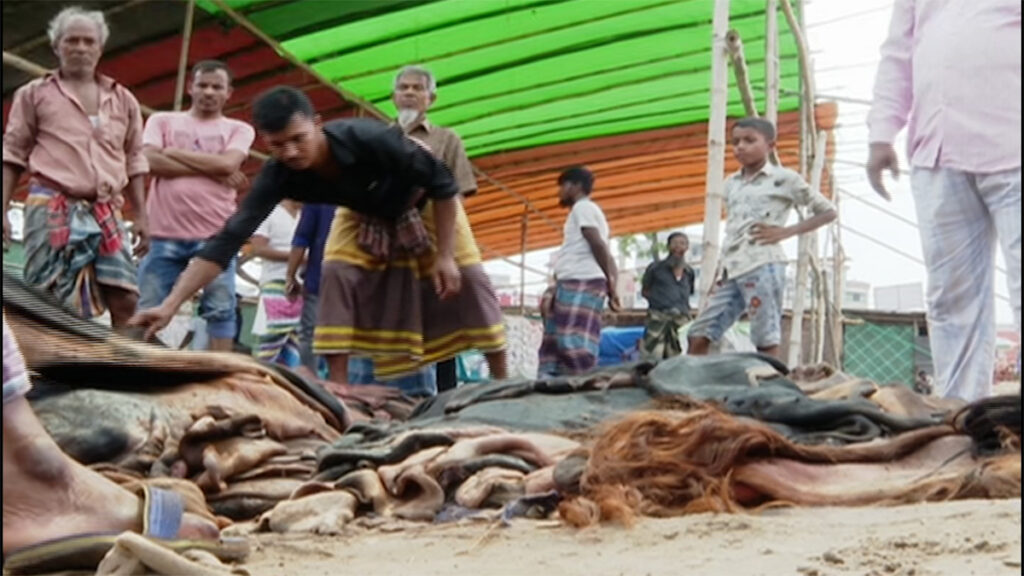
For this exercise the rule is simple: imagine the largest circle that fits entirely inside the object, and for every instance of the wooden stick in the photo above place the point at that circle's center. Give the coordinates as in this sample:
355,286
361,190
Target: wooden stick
739,67
771,61
255,31
366,107
522,268
838,280
715,184
812,265
806,66
803,262
186,41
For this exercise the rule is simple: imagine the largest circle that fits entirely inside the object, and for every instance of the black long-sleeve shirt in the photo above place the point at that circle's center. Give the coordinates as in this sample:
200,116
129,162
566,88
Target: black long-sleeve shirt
380,169
665,292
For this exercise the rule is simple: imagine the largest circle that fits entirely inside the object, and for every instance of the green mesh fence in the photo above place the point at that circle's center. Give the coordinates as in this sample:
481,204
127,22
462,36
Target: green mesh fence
884,353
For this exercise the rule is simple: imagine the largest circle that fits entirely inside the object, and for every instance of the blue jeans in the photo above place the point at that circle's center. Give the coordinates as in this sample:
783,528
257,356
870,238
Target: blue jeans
310,306
422,384
759,293
161,268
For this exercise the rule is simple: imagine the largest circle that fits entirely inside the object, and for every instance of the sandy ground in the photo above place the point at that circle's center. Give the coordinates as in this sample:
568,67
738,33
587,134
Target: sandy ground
957,538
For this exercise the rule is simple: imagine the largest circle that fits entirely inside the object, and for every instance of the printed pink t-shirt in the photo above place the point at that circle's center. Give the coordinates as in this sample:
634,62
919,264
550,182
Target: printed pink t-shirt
192,207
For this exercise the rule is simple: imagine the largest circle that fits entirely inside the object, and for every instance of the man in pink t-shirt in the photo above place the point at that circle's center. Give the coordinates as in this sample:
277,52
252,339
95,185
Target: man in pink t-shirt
195,158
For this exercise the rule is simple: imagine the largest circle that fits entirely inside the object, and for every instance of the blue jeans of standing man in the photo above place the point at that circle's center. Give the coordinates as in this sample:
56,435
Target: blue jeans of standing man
160,269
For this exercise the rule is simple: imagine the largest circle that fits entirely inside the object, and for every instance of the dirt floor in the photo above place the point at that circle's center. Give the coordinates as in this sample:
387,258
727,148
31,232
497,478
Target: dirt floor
956,538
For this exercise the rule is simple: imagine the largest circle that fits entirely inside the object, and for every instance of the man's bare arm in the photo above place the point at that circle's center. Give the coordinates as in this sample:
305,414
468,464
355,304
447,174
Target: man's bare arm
261,249
599,248
295,260
163,166
215,165
11,175
137,195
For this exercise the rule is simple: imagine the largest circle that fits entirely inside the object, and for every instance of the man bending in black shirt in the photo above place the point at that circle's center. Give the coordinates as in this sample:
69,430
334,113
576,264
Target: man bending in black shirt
402,281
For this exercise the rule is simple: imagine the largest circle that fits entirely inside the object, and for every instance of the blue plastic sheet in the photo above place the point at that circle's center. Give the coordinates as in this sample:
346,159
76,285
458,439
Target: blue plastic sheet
619,344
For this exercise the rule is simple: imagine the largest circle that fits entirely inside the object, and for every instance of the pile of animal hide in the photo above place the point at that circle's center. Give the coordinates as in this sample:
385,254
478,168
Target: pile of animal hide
233,436
243,441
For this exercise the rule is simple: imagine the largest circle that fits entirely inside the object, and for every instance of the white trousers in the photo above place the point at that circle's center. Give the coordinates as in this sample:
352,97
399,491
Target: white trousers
962,216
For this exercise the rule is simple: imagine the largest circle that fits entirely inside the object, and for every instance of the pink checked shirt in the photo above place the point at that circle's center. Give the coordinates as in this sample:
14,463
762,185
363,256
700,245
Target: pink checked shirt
950,72
49,134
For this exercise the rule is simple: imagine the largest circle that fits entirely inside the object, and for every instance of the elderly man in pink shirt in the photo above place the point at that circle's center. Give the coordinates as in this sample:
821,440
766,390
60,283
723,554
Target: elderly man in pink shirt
79,136
950,72
194,157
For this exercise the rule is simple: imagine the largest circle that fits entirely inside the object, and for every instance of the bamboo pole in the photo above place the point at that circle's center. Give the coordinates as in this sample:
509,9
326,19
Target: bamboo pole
771,61
807,243
813,267
186,42
739,67
715,182
823,306
522,268
838,282
806,66
368,108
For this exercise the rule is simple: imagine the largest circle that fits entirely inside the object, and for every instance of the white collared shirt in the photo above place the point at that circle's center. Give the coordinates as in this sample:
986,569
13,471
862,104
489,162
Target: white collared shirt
767,198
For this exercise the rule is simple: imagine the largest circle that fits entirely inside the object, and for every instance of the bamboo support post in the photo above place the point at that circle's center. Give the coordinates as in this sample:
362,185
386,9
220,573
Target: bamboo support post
739,67
823,316
806,67
368,108
812,265
186,42
838,282
522,268
715,182
806,247
771,61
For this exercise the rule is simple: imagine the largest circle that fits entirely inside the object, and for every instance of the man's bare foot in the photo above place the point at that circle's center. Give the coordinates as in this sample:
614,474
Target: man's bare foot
47,495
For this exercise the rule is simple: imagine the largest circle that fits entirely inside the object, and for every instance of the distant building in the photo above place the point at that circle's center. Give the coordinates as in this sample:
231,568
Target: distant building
900,297
856,295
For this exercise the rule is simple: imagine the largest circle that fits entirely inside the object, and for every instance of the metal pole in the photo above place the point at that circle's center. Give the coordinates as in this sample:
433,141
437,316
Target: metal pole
186,41
715,183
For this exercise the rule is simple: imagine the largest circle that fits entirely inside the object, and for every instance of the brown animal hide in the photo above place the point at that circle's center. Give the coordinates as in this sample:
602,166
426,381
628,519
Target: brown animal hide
475,491
320,513
902,401
669,463
421,496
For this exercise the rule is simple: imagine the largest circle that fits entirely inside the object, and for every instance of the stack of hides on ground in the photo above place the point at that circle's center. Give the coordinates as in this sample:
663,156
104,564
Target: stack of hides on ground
686,435
232,435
